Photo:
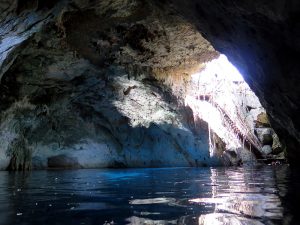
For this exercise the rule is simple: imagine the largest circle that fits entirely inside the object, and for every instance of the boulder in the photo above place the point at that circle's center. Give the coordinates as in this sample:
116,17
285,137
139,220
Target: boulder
262,120
252,117
267,139
265,135
276,146
266,149
246,156
230,158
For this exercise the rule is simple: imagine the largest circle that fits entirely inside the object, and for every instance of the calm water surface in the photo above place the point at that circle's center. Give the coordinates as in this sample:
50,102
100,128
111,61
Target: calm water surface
265,195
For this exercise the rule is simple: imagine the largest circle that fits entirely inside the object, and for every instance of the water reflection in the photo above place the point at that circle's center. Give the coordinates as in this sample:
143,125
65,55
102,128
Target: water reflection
243,197
6,208
146,196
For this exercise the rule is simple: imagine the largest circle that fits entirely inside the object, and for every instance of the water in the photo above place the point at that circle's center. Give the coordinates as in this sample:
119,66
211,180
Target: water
265,195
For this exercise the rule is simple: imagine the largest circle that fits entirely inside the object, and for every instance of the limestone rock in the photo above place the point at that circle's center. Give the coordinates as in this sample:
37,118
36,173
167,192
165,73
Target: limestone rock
276,146
250,35
71,66
267,139
230,158
265,135
251,116
99,84
262,120
246,156
266,149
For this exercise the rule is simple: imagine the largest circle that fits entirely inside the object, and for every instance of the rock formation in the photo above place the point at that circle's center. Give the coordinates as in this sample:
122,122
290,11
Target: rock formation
102,83
262,39
88,84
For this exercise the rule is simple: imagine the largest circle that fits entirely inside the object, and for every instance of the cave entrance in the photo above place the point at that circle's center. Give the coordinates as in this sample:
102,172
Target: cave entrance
220,96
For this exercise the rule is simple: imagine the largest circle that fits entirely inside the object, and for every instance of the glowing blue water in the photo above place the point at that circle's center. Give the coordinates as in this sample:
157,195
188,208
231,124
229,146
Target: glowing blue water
148,196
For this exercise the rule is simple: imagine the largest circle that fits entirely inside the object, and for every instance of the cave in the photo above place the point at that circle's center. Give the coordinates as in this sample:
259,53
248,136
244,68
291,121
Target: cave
238,124
149,112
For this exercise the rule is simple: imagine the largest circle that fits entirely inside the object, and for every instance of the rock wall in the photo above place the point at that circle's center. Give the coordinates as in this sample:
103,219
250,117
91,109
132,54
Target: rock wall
98,84
262,39
80,77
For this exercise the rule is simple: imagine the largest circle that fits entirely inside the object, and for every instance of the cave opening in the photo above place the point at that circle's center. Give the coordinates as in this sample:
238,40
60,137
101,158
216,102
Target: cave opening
124,112
238,124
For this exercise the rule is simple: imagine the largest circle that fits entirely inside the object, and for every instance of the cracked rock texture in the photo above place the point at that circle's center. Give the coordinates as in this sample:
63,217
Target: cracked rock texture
98,84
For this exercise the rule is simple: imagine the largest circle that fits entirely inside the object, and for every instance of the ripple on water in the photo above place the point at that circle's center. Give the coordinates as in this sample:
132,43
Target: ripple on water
151,201
146,196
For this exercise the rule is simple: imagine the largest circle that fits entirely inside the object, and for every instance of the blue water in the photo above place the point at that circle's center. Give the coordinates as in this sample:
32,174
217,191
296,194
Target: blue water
264,195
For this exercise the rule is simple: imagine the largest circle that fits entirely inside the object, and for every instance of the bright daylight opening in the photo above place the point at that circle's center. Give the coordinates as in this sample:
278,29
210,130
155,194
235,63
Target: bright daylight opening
220,96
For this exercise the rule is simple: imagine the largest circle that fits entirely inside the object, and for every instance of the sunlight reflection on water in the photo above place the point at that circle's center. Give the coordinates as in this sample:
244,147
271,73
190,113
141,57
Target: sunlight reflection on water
238,197
146,196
